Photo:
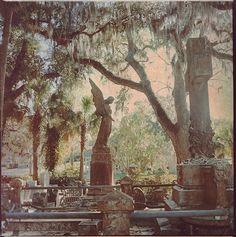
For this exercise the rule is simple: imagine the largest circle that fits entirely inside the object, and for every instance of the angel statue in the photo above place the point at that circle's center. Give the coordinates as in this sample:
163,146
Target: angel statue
103,109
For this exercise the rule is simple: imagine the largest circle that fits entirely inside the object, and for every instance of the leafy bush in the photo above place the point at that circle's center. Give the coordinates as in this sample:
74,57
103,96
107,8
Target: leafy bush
160,177
65,177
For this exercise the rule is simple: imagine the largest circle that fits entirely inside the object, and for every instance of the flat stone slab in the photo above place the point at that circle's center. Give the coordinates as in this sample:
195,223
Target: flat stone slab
188,197
90,227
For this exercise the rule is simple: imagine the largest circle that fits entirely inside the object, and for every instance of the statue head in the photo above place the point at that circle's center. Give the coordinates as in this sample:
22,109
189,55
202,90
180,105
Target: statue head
109,100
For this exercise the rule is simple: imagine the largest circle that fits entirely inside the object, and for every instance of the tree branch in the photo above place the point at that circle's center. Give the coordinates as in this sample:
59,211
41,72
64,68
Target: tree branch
188,26
220,55
123,69
213,44
110,76
156,23
221,5
101,28
51,75
15,93
220,31
11,95
161,115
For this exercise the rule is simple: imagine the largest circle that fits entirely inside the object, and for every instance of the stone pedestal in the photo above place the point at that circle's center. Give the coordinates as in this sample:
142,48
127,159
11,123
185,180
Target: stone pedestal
116,207
101,167
204,183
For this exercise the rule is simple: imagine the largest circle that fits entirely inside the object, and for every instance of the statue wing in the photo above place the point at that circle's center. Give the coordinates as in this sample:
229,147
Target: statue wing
97,99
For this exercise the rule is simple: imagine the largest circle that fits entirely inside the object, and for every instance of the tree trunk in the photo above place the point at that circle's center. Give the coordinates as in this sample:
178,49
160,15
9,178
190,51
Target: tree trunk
181,138
36,122
181,144
82,145
3,58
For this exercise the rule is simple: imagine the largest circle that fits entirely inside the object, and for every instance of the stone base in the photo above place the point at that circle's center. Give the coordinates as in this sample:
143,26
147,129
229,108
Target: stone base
203,183
187,197
89,227
101,169
196,225
193,172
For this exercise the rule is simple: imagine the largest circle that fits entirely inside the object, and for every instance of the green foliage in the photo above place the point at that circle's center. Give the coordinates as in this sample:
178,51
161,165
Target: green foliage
122,99
223,138
164,178
86,104
140,141
160,177
65,176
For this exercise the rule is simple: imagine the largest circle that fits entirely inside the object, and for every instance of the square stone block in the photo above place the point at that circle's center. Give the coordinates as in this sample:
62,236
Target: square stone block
199,58
190,175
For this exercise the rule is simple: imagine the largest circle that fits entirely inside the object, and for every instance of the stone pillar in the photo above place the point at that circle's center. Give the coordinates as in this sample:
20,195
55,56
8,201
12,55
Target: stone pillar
116,207
126,184
101,167
199,71
203,180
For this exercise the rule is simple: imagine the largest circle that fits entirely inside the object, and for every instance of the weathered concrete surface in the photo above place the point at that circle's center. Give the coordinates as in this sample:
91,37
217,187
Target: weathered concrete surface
116,207
189,175
204,182
187,197
199,59
62,225
89,227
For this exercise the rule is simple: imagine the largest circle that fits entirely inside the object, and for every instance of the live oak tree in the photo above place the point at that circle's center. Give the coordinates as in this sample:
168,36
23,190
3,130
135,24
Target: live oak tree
111,37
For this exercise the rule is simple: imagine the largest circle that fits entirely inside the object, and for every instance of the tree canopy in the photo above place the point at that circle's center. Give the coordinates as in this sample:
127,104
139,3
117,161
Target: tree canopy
115,39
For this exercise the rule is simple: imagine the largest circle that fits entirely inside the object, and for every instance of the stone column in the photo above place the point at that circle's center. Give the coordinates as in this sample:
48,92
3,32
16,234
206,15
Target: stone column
116,207
199,71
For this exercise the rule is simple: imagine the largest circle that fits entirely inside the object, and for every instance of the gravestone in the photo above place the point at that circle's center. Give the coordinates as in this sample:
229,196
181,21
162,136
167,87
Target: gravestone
202,181
116,207
44,179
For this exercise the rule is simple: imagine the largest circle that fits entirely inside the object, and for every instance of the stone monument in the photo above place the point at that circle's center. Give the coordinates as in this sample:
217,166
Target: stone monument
101,163
203,182
116,207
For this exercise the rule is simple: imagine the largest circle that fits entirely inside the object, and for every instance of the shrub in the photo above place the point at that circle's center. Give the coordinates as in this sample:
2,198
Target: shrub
66,177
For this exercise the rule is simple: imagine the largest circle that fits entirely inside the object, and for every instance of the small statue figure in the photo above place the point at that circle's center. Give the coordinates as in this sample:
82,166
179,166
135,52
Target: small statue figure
103,109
